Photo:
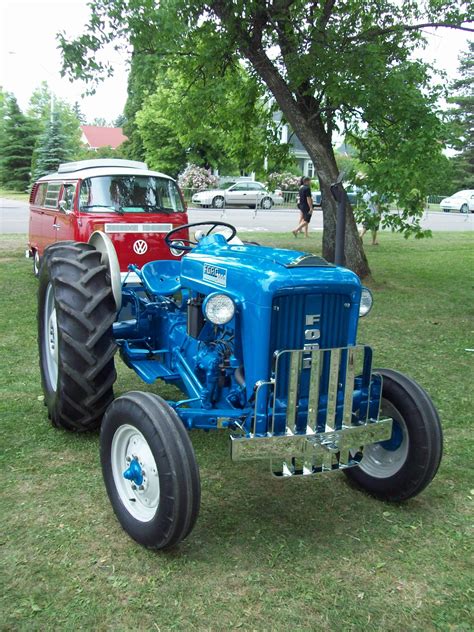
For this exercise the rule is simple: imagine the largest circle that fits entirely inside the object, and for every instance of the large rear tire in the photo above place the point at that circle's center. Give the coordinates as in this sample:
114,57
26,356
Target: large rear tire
150,471
400,468
76,310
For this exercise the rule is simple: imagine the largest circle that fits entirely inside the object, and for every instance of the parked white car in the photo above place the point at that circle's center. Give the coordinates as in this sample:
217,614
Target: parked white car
244,193
462,201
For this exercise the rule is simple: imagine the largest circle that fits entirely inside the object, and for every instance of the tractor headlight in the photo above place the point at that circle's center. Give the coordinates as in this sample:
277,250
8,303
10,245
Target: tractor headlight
219,309
366,300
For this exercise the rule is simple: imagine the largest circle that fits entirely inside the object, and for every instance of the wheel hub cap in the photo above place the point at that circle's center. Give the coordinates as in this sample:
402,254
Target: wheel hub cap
385,459
134,472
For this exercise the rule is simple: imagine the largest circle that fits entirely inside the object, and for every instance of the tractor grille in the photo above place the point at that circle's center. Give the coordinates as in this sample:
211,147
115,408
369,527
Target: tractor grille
321,407
289,320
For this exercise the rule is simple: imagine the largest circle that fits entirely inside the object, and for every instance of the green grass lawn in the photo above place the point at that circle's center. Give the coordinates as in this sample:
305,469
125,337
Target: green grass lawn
311,554
14,195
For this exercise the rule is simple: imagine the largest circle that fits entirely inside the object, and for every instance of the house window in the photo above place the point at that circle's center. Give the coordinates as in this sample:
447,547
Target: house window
309,169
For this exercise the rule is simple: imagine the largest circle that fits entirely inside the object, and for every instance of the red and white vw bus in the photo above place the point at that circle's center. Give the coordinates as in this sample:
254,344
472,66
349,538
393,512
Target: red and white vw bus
134,206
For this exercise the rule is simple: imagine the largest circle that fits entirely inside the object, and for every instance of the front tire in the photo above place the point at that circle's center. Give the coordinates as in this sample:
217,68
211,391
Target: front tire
76,310
218,202
400,468
464,208
150,470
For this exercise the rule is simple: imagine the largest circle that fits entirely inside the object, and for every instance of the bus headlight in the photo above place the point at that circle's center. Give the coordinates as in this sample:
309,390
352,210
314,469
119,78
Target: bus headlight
219,309
366,301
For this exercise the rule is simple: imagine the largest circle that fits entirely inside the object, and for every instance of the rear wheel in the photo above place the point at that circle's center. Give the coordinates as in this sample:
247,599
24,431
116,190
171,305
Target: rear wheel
76,310
401,467
267,203
150,470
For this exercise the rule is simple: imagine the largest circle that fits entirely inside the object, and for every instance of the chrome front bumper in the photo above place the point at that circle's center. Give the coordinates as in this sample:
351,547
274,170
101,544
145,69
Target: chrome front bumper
320,451
331,430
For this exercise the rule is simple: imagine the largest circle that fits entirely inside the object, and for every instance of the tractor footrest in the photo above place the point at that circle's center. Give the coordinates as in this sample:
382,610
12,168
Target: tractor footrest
151,370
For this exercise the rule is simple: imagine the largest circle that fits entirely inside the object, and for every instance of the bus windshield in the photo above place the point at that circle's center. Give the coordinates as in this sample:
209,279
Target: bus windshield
130,194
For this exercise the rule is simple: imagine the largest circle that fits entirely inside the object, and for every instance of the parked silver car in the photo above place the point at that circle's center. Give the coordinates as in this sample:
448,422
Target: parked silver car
462,201
244,193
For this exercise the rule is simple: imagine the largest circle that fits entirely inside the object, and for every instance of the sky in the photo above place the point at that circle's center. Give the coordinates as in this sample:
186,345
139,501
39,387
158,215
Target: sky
29,54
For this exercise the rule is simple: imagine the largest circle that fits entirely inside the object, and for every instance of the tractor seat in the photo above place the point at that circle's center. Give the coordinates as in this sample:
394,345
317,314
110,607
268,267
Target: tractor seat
162,277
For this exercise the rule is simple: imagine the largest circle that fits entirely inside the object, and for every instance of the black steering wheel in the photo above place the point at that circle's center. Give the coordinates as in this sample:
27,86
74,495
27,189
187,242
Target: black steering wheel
185,245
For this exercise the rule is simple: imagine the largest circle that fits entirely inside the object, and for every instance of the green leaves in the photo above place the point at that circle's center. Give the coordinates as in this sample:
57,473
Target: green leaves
215,119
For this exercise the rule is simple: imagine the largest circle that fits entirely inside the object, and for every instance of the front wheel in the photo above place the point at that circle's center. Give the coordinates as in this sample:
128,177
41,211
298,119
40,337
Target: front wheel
464,208
401,467
150,471
218,202
267,203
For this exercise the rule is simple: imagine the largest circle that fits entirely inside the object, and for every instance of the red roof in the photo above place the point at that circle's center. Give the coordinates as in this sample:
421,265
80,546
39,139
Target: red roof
103,136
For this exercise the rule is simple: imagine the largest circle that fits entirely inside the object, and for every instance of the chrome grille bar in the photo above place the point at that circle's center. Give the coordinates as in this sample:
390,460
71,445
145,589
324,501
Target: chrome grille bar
293,390
334,364
313,397
349,387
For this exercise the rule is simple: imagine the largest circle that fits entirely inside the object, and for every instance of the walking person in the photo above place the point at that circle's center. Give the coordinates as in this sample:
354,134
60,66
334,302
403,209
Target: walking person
372,218
305,204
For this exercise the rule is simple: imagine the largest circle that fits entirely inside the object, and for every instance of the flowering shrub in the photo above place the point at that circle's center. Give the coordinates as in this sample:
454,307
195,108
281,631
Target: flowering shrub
198,178
285,181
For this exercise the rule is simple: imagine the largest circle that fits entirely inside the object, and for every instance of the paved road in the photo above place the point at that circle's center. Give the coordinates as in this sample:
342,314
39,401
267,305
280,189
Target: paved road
14,219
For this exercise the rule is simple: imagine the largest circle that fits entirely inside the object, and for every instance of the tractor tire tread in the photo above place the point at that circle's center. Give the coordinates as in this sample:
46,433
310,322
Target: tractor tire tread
85,311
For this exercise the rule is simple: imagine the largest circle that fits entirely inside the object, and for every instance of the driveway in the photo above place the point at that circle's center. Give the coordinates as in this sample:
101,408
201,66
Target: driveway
13,216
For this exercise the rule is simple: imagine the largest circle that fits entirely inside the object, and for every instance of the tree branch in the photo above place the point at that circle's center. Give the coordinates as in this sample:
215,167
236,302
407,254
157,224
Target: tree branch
373,33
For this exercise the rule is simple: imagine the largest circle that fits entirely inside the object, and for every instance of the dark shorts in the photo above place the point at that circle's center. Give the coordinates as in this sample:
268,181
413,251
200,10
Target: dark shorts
371,223
306,215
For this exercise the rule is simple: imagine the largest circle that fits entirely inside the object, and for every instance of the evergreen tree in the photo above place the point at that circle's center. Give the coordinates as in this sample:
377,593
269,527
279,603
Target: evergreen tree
16,146
100,122
120,120
76,108
463,120
53,147
41,102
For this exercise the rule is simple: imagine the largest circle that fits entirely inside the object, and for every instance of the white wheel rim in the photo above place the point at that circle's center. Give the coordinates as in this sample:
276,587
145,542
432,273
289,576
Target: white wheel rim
36,262
379,462
50,338
266,203
140,500
219,202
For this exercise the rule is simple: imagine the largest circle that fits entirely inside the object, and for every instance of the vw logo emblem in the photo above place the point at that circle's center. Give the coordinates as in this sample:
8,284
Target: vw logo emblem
140,247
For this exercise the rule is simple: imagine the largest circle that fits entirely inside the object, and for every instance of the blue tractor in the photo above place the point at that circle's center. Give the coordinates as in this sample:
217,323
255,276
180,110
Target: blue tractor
261,341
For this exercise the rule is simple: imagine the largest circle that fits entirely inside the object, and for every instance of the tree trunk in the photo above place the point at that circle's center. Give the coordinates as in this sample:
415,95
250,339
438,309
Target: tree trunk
315,139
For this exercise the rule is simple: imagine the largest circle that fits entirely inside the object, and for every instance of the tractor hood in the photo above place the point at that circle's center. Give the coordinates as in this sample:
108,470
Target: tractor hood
256,274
